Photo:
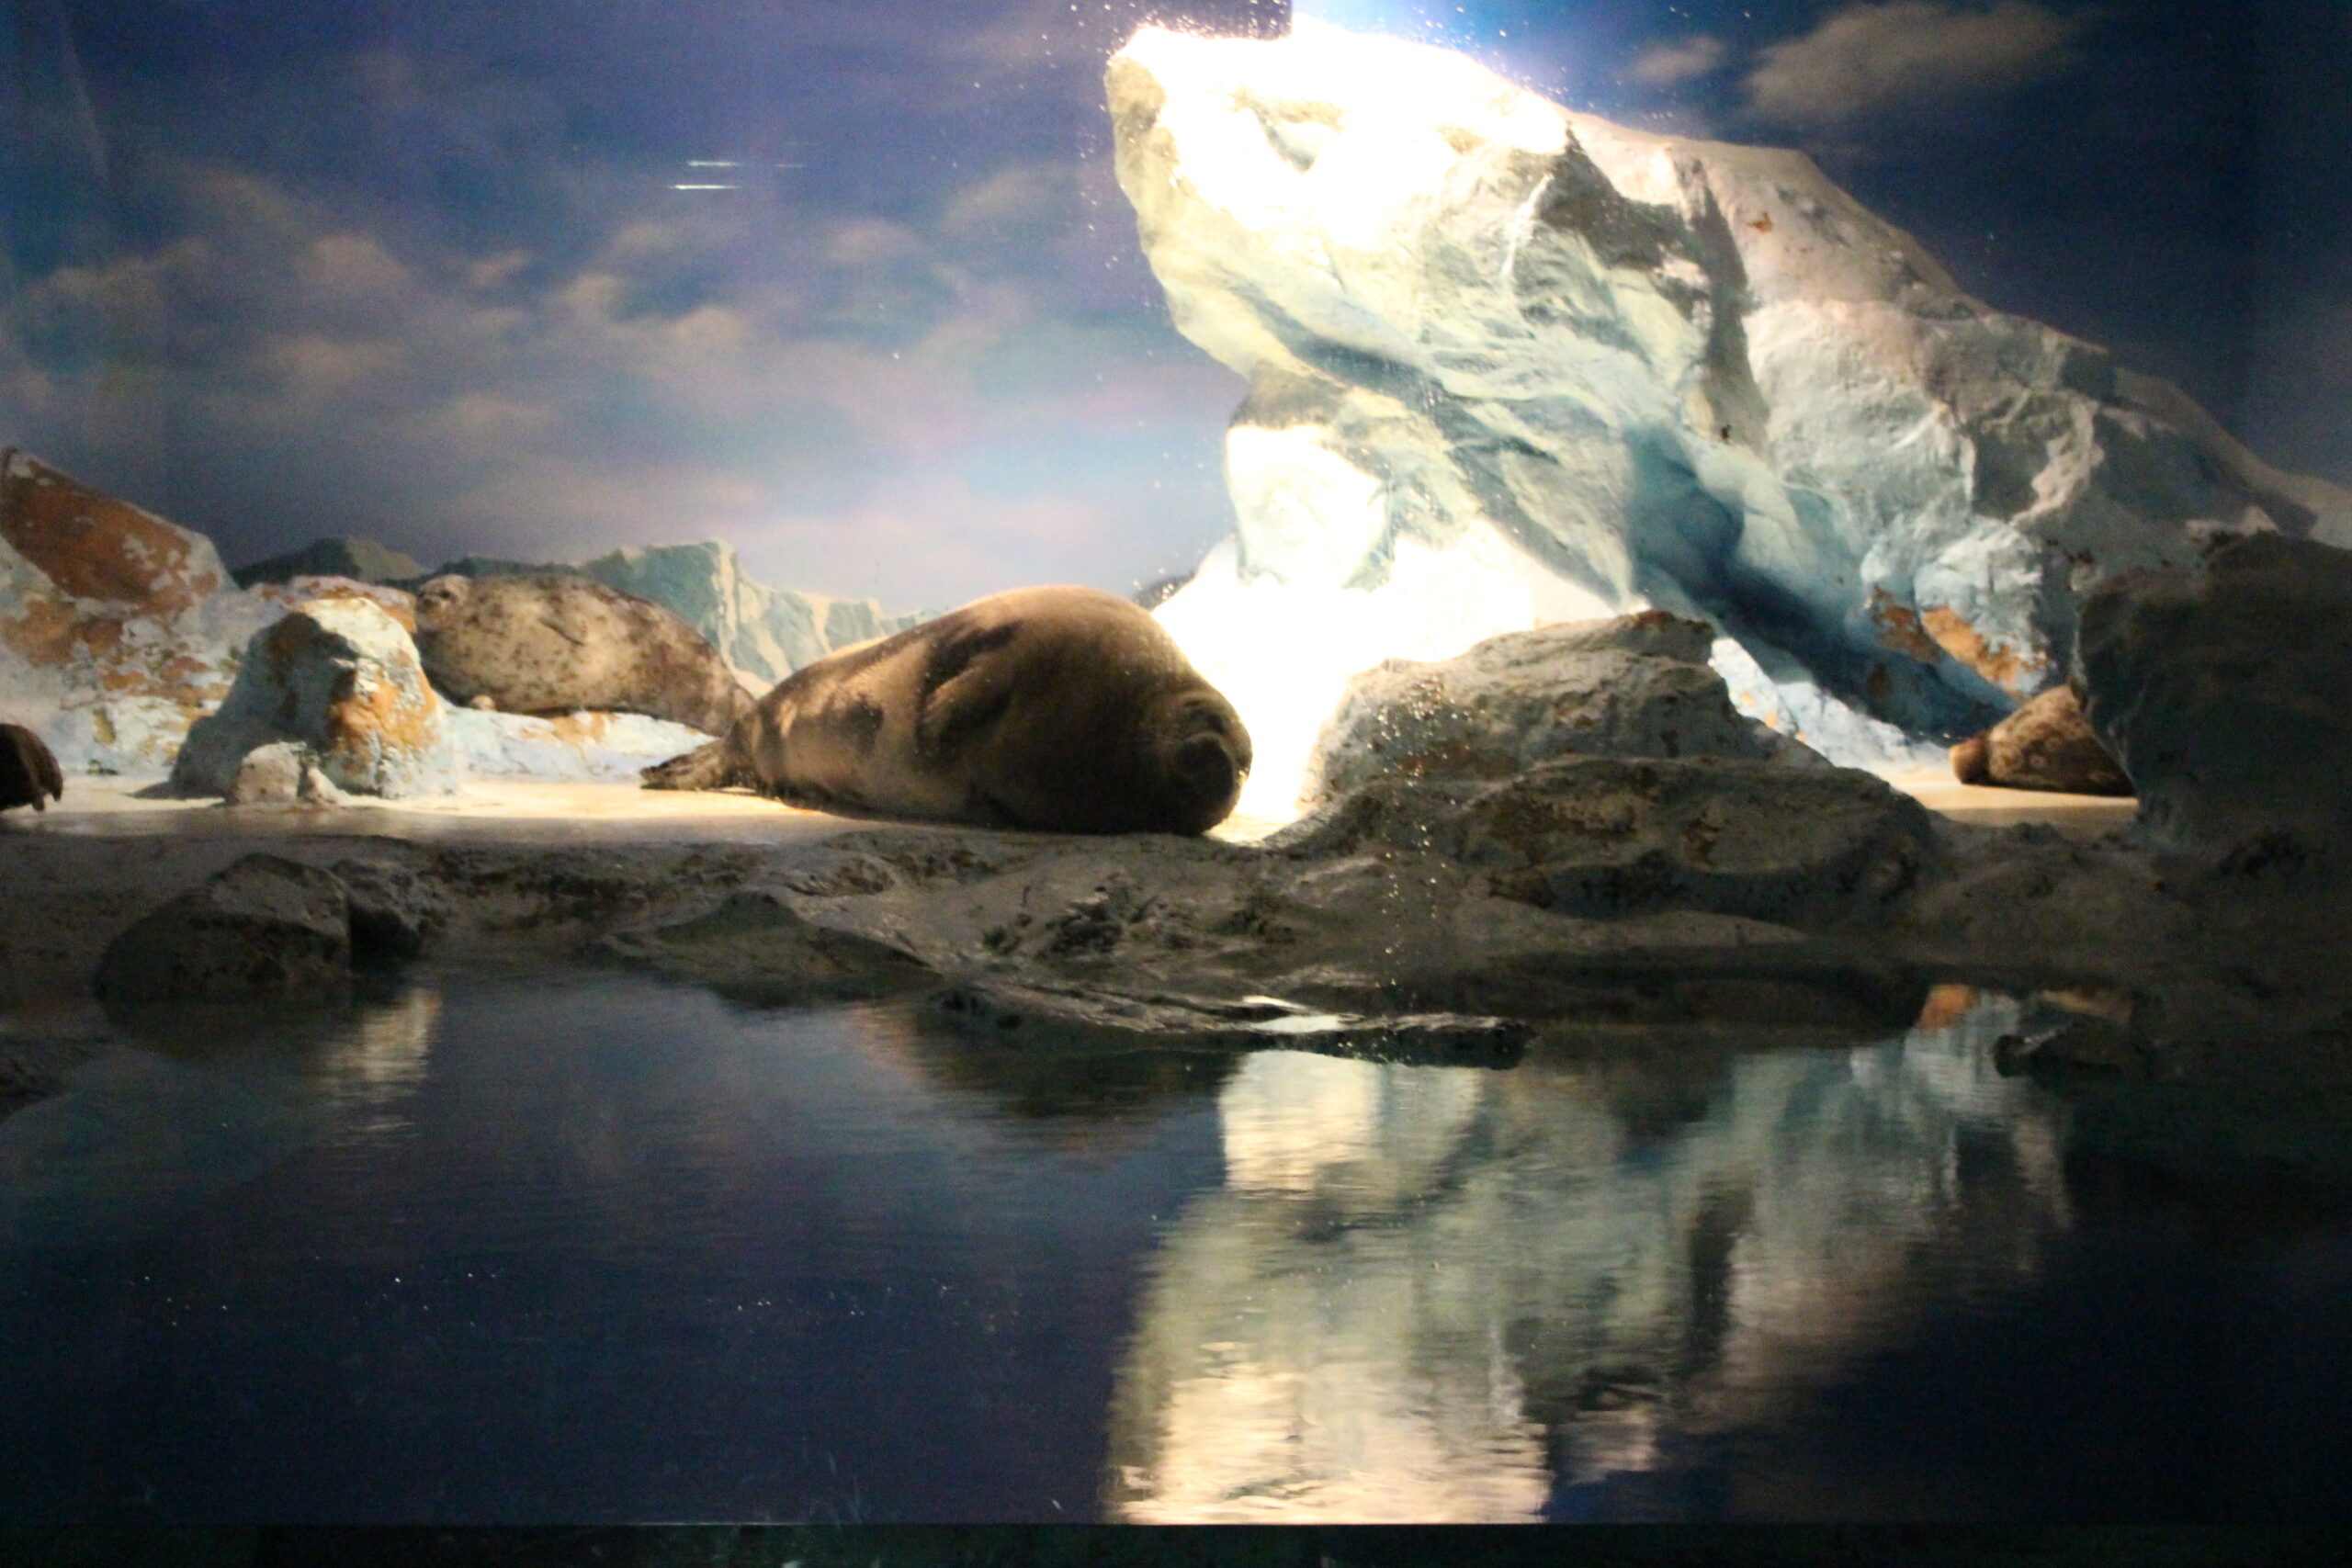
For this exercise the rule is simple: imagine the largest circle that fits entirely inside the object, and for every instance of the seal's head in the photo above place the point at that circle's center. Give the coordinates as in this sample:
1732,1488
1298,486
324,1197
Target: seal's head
441,599
1197,754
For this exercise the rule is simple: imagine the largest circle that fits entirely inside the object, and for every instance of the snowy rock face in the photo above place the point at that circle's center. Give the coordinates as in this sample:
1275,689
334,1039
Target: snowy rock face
342,677
766,633
1636,686
578,748
2225,691
1512,365
117,628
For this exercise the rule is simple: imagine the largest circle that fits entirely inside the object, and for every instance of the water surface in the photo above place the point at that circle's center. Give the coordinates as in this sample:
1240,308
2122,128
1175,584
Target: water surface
586,1246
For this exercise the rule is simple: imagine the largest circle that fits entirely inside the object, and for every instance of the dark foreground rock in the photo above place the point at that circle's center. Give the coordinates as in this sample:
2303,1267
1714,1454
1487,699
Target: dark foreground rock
2048,744
265,927
1603,837
2226,691
269,927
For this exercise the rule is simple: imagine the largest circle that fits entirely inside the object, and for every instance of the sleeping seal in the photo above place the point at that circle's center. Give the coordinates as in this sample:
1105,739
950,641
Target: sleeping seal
28,770
555,643
1066,709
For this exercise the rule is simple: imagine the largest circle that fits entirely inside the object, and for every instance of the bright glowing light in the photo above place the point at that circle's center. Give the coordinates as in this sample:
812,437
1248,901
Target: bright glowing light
1282,652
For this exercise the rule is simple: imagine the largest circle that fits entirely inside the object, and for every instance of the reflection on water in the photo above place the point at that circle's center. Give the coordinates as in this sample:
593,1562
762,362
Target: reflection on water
205,1098
1427,1293
513,1249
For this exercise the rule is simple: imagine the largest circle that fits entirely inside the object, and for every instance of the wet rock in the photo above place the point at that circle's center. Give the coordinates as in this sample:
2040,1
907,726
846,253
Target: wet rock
1603,837
28,774
394,912
264,927
2083,1043
34,1068
1008,1012
1636,686
761,942
2047,744
342,678
2226,691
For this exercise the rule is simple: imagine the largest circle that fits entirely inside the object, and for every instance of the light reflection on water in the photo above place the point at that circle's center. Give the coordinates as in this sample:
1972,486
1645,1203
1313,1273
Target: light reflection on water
587,1246
1419,1289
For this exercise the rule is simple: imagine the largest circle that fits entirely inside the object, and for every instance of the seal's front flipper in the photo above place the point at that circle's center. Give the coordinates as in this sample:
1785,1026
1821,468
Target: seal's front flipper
704,767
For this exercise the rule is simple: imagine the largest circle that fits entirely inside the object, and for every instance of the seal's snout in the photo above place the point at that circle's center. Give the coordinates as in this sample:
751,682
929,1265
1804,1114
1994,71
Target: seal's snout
440,598
1207,755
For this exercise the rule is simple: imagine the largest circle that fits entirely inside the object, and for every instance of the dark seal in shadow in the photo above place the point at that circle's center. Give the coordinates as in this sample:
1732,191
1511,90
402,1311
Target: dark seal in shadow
28,770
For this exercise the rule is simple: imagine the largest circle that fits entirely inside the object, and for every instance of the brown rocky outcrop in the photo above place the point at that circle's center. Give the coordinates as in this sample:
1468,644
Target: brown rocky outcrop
117,628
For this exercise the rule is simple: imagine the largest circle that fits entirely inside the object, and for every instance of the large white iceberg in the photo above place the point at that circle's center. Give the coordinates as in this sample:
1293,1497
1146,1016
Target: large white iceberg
1510,364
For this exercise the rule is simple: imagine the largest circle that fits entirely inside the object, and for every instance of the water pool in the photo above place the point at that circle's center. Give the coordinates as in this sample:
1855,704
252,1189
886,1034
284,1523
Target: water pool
509,1248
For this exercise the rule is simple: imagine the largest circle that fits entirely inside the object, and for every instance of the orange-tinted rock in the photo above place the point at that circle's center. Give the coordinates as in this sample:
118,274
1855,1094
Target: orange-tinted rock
397,603
92,546
117,628
342,677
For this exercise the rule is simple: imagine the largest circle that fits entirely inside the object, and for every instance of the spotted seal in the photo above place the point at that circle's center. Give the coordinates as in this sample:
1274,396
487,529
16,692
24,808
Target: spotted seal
1064,709
556,643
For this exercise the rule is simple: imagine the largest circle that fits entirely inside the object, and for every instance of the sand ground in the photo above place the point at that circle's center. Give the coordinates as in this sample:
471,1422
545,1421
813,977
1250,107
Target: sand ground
514,810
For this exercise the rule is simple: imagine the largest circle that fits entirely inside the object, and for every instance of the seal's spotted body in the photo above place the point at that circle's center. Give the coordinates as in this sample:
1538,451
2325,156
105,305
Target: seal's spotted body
1066,709
554,643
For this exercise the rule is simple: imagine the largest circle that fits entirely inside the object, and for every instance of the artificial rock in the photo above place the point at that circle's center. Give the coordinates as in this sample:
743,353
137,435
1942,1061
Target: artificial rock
2224,689
284,773
1511,363
1609,837
341,677
264,927
117,628
1636,686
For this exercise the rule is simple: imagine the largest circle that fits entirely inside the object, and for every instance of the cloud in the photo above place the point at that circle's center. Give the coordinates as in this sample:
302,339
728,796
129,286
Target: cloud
921,409
1684,60
1867,58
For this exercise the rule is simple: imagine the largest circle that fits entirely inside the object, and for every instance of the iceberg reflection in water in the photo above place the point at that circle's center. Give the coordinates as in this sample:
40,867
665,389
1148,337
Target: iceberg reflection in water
503,1248
1433,1294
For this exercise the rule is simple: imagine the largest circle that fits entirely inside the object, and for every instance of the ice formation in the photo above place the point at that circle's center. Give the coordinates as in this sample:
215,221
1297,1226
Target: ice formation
1512,365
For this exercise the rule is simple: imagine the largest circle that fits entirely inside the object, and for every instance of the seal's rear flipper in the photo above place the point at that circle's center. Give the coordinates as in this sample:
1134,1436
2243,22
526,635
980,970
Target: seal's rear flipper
704,767
28,770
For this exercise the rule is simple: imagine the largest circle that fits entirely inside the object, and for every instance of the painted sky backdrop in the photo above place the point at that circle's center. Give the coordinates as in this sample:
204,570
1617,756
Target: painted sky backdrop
849,282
